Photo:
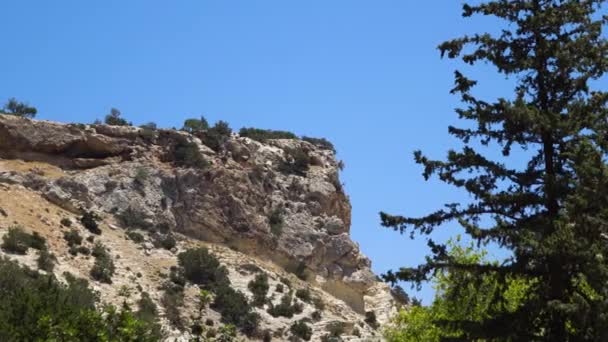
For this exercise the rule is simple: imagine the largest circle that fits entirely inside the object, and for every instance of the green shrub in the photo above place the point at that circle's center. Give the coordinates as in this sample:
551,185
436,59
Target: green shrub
285,308
172,300
202,268
46,260
300,270
216,136
276,221
304,295
37,242
103,268
262,135
167,242
316,315
72,237
279,288
66,222
141,176
115,119
259,288
38,307
149,126
22,109
336,329
89,221
318,303
301,330
187,154
16,241
195,125
235,309
321,143
133,218
135,237
147,310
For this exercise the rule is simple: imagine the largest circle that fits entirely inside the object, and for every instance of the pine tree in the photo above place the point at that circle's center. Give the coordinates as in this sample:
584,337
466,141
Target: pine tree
551,214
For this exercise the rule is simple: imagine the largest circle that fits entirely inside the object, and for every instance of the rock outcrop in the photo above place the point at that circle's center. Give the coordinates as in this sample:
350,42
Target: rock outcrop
243,197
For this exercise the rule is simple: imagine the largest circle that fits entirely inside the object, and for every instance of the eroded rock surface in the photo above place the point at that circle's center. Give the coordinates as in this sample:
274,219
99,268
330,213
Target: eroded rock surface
243,198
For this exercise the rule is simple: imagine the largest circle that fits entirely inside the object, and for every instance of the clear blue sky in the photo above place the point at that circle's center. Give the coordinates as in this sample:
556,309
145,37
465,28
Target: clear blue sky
365,74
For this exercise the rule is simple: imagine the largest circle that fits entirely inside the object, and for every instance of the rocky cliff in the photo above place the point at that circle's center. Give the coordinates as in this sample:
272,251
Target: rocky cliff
250,202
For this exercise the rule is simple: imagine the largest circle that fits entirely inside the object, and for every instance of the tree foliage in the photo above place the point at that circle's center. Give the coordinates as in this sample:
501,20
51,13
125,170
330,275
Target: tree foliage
37,307
115,118
458,297
552,212
17,108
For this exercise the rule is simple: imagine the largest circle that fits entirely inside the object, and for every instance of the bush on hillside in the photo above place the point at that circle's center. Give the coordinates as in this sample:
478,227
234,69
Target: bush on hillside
202,268
38,307
103,268
262,135
46,260
235,309
187,154
216,136
89,221
72,237
276,221
259,288
17,241
301,330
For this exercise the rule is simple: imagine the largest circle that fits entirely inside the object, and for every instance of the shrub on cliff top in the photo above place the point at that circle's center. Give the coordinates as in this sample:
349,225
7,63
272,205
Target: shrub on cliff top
262,135
22,109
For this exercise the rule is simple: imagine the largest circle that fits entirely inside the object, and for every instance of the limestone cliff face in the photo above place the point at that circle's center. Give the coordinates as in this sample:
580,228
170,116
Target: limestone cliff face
242,198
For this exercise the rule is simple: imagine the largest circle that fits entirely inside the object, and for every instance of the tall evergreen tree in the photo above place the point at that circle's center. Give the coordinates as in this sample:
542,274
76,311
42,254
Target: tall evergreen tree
553,213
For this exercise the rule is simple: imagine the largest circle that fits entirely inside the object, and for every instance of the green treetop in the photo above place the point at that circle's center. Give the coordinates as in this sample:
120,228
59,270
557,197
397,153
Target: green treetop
552,214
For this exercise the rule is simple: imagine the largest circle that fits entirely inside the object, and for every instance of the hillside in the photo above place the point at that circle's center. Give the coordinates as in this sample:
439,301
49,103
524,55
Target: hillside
272,207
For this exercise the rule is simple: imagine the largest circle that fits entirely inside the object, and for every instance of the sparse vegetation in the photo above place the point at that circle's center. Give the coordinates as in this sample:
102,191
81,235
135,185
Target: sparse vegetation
336,329
72,237
216,136
46,260
187,154
133,218
300,270
17,108
17,241
89,221
135,237
259,287
285,308
302,330
202,268
276,221
115,118
304,295
321,143
195,125
66,222
103,268
262,135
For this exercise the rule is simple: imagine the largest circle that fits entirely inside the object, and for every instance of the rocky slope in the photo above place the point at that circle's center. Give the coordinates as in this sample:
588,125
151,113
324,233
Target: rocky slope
245,202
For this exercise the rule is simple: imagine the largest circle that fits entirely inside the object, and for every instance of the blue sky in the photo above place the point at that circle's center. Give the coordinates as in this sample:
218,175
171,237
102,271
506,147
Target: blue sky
364,74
